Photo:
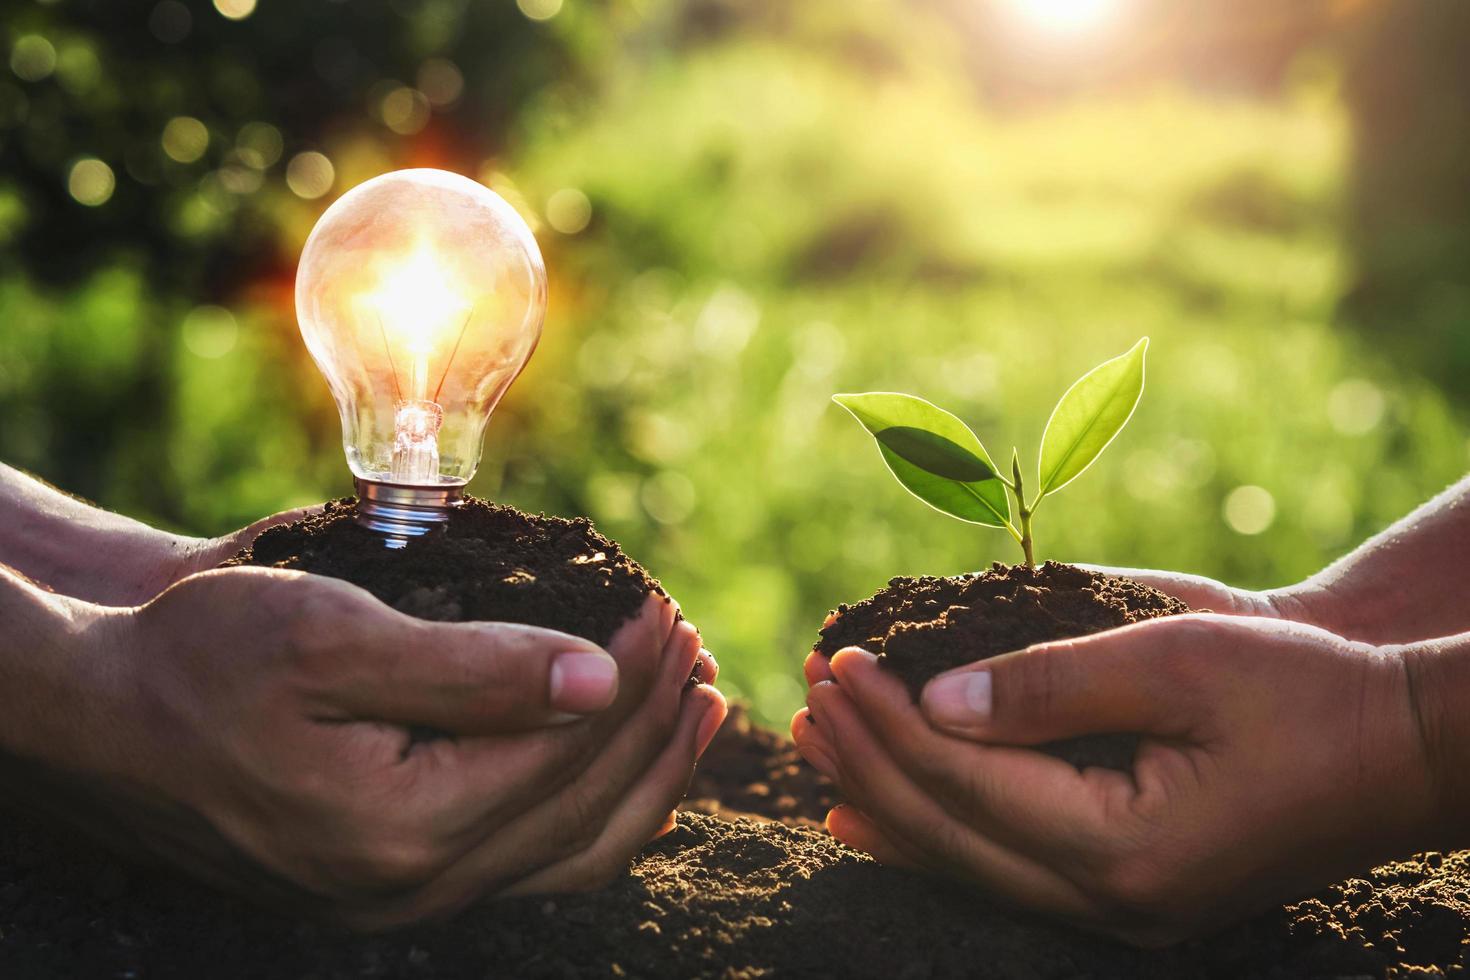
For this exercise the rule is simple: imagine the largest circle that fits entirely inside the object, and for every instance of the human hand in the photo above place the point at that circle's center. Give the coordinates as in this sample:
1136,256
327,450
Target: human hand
265,730
1202,594
1275,757
189,556
112,561
72,548
1196,591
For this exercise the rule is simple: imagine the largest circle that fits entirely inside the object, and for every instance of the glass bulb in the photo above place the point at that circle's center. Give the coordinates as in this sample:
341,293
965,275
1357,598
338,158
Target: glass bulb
420,295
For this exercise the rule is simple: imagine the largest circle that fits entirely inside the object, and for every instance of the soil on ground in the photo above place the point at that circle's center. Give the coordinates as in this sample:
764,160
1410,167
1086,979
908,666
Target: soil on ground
766,894
921,627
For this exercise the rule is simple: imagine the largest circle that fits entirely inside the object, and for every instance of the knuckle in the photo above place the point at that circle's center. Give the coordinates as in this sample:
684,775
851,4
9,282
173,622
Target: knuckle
578,821
597,872
317,624
976,791
1041,684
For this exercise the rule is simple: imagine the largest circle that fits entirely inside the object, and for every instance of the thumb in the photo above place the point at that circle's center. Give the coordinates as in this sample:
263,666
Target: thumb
213,551
1198,592
475,678
1123,680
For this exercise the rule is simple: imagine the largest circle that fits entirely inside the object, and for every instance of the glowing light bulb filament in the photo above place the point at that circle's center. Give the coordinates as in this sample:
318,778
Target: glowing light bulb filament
416,306
416,441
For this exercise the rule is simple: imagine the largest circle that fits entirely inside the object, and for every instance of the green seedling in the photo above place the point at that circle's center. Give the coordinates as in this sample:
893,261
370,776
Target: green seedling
939,460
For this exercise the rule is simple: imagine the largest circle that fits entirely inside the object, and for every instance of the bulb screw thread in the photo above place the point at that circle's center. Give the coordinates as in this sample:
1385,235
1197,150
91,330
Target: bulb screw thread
398,512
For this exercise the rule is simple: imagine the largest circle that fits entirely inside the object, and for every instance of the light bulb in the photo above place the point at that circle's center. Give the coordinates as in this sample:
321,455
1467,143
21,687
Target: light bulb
420,295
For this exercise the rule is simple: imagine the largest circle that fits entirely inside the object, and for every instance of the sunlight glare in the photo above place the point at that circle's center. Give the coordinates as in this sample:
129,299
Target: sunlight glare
1064,16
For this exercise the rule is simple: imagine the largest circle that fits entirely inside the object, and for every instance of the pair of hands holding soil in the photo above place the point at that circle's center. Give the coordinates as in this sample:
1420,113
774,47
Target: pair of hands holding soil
1290,738
267,729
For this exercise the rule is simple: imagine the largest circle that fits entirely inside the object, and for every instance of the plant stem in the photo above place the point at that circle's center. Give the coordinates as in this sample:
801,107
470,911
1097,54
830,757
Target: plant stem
1026,546
1019,489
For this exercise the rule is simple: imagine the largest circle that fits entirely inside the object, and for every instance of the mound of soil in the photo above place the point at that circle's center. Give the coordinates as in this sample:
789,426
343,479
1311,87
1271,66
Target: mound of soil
490,563
715,898
921,627
750,771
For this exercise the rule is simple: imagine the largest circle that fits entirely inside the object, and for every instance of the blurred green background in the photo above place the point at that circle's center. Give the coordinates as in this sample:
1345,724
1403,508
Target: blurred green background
745,207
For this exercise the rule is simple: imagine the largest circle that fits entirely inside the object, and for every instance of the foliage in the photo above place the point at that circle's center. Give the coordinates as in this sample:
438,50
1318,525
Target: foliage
942,462
783,200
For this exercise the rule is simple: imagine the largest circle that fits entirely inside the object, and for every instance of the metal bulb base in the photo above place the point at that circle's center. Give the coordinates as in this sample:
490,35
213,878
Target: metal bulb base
399,512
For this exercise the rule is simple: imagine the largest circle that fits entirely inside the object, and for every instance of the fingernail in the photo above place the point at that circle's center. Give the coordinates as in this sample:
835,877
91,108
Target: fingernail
705,668
583,681
708,726
959,700
670,822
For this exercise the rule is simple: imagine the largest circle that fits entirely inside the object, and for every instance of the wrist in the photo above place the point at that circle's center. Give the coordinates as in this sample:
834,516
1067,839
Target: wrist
63,674
1437,676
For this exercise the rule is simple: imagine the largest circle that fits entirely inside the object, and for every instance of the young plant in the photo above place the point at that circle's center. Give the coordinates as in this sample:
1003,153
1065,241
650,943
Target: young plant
939,460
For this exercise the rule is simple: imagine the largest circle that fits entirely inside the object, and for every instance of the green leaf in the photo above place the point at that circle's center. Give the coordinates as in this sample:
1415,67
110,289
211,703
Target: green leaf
1091,413
933,454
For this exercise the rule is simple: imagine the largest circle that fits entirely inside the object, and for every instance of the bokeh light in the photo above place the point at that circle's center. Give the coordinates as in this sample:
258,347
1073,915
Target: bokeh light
235,9
441,81
668,497
1355,406
90,182
259,145
568,211
77,67
539,9
310,175
210,332
404,110
32,58
185,139
1249,509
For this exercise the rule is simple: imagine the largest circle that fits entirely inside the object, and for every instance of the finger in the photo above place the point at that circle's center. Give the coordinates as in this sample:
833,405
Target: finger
816,668
249,533
216,550
707,667
642,809
475,783
1143,678
812,744
883,791
476,678
848,825
1022,797
1199,593
522,853
670,822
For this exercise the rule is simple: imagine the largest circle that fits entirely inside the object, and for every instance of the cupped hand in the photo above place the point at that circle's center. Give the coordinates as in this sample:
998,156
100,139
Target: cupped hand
293,739
1298,603
1275,757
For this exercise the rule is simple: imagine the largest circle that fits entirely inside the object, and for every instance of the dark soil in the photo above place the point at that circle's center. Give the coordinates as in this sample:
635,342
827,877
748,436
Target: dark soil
774,897
714,898
490,563
921,627
750,771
